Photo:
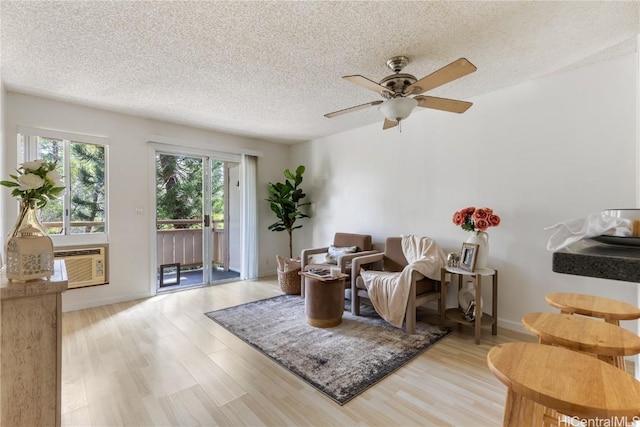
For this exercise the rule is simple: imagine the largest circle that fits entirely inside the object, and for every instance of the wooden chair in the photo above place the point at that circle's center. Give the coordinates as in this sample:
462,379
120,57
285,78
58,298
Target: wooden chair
393,260
545,383
610,343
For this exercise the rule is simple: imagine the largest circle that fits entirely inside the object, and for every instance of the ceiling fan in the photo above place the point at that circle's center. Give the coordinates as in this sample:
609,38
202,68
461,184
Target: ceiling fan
397,89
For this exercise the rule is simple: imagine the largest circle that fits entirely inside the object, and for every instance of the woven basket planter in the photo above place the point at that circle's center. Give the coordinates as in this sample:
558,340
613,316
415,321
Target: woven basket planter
289,281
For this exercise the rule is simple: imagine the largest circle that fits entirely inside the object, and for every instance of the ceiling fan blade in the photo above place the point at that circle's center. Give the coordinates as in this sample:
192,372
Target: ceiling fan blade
350,109
455,70
389,124
444,104
367,84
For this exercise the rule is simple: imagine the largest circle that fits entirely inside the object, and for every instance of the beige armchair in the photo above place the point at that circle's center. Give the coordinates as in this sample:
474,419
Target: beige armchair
310,258
393,260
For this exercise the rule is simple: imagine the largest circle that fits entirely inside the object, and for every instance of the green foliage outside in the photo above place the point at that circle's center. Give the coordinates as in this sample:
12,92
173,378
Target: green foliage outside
87,184
88,191
179,189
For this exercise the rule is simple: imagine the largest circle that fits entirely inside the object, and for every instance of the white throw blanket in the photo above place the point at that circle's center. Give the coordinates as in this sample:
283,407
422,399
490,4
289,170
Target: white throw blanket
389,292
581,228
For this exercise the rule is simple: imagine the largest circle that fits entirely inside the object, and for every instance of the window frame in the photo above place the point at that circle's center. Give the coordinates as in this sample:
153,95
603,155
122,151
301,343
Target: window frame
27,141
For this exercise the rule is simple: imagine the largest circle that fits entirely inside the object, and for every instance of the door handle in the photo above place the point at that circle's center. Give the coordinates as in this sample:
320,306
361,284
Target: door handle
207,221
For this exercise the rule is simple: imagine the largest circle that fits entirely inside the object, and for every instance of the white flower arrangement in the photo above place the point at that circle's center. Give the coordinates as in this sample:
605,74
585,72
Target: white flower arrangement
37,180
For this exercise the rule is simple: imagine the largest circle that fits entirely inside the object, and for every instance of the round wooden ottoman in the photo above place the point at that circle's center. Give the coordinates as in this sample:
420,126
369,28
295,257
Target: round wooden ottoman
323,300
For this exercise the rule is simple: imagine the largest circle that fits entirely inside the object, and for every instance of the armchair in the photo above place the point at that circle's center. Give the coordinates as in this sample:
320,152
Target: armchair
393,260
363,245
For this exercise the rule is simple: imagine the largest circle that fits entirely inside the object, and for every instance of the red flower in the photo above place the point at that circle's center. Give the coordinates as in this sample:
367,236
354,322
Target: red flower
458,218
482,224
481,213
467,211
472,219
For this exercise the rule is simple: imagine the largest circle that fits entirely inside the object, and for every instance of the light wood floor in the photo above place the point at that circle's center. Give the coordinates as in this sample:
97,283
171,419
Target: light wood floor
160,361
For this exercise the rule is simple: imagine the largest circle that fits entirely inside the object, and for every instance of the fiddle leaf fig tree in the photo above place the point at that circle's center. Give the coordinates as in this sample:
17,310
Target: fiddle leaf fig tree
285,200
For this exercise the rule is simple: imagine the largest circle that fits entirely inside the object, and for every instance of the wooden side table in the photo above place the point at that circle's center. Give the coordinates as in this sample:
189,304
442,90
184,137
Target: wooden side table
455,315
542,379
609,342
31,350
323,299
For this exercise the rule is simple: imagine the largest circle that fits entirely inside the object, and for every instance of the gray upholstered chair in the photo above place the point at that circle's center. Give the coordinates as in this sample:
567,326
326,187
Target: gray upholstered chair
393,260
363,245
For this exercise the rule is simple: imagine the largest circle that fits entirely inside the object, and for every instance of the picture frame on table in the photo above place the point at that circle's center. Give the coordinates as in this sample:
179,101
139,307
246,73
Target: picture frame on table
468,256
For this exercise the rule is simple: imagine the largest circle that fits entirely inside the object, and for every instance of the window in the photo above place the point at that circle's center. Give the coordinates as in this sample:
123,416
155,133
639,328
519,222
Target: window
82,161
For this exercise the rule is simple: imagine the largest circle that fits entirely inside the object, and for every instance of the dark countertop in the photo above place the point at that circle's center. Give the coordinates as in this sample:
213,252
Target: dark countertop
593,259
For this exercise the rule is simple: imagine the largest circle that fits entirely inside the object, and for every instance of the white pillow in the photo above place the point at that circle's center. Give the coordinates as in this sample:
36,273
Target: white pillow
336,252
317,259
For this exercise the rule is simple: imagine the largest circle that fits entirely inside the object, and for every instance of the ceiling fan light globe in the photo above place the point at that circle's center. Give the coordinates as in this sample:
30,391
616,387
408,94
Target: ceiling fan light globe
397,109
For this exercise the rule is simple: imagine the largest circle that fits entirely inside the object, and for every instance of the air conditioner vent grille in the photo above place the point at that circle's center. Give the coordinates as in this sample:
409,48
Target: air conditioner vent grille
77,252
79,269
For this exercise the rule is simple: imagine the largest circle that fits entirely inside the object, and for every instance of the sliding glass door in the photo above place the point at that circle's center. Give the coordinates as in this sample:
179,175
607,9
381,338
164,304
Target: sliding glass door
192,203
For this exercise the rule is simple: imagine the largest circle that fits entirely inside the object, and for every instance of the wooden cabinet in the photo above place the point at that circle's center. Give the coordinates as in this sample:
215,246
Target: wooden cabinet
31,350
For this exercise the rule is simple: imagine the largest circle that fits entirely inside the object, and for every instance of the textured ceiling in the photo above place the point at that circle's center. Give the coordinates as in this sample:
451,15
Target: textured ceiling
271,69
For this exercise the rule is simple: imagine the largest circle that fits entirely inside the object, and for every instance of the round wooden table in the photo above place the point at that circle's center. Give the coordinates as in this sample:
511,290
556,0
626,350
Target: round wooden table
610,343
611,310
542,378
323,299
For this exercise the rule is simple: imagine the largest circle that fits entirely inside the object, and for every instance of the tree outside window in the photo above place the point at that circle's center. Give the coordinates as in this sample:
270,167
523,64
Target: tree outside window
179,189
83,206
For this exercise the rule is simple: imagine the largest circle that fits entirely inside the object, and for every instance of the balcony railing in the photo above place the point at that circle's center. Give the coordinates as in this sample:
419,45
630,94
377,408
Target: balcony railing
73,224
184,245
179,245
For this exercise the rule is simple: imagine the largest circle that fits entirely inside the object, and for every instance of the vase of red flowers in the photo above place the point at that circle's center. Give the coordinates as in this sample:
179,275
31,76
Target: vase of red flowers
476,221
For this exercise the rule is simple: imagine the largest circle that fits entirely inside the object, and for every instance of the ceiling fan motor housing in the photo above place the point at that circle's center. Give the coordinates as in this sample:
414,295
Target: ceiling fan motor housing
397,83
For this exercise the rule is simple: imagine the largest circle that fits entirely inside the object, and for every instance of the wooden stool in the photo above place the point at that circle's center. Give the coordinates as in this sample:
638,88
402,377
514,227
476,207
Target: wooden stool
610,343
544,378
611,310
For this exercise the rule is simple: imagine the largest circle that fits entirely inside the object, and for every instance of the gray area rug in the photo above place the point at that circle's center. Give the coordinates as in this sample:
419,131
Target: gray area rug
342,361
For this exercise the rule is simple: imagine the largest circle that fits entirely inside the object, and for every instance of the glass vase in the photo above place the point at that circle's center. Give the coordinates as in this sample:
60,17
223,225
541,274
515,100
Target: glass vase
29,215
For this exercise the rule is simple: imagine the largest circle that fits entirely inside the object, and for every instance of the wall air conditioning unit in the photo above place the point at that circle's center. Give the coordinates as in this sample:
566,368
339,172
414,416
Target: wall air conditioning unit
86,265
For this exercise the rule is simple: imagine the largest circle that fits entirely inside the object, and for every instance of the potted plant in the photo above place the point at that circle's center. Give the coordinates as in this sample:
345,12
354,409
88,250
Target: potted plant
285,200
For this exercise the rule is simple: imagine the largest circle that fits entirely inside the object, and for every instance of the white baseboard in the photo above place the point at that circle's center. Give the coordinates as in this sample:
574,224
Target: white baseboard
512,326
101,302
268,273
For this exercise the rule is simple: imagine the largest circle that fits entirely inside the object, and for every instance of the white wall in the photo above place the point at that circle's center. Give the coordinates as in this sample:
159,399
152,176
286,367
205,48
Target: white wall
129,240
538,153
